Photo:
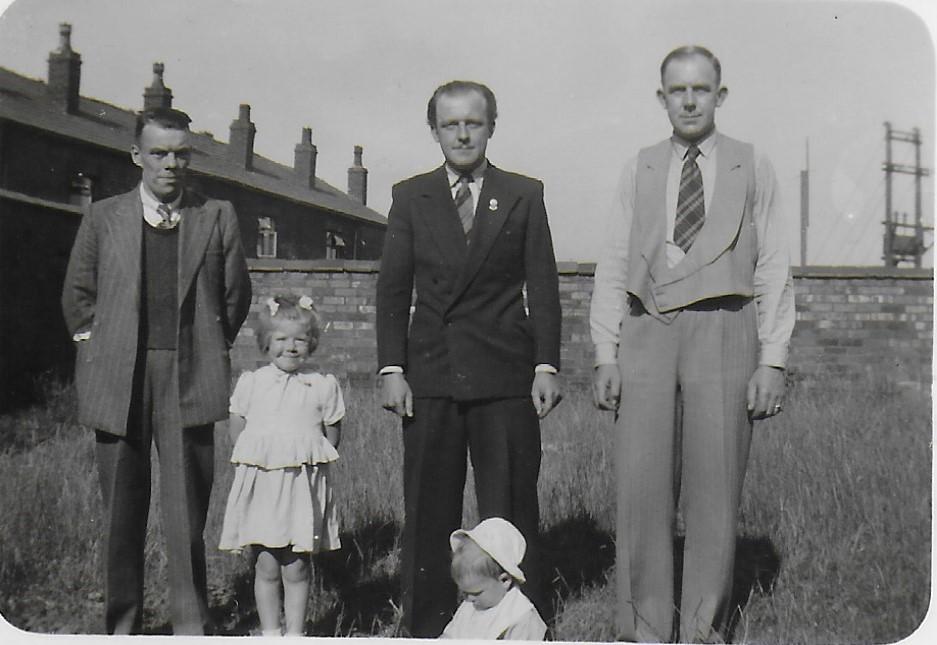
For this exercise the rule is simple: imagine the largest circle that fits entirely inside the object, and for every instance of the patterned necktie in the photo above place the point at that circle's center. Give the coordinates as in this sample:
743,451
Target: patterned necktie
166,214
690,205
465,204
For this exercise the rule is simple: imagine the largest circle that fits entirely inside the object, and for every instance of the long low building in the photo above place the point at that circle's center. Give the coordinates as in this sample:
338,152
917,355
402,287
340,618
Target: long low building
59,151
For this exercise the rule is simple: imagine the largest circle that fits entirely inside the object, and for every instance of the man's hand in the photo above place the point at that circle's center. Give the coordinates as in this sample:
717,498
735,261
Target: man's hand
606,387
545,393
765,391
397,395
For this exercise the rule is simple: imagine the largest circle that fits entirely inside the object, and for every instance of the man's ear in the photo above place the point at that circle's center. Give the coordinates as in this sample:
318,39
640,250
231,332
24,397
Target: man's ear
135,155
435,134
721,95
662,99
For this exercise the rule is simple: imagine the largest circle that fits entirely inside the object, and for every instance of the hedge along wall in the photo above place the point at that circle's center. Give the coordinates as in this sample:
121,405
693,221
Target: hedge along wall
851,321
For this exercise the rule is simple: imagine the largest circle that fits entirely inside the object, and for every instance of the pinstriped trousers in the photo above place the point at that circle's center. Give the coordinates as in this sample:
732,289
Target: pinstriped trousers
186,463
703,359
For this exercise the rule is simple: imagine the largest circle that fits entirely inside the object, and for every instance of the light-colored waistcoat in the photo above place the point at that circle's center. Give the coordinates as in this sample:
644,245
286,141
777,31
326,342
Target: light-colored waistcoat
721,261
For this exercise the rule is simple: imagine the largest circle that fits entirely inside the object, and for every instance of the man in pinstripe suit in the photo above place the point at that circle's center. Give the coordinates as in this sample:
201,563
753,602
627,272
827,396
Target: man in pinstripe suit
692,310
156,290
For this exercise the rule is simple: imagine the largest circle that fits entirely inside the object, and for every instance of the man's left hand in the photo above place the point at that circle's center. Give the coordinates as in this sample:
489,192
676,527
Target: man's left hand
765,391
545,393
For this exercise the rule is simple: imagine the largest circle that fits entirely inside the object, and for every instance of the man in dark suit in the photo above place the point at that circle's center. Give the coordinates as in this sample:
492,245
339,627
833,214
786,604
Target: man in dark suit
477,365
155,292
691,317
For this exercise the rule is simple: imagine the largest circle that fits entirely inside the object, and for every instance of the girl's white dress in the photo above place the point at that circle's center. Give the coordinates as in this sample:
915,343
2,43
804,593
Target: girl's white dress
281,495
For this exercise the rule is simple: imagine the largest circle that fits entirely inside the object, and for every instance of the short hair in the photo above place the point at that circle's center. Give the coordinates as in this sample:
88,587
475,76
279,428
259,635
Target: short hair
470,559
287,307
461,87
164,117
687,51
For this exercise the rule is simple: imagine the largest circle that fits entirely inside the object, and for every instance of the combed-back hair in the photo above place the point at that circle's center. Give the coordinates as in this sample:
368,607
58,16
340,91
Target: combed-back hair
469,559
288,308
692,50
461,87
169,118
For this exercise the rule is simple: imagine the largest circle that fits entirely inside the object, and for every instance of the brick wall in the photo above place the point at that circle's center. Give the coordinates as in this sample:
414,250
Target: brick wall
851,321
343,292
856,321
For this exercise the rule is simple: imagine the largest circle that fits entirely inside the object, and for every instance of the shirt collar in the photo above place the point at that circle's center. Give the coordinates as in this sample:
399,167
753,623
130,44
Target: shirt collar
150,204
706,146
478,174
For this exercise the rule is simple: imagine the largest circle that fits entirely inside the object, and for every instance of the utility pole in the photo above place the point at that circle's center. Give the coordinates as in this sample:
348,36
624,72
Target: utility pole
804,204
902,247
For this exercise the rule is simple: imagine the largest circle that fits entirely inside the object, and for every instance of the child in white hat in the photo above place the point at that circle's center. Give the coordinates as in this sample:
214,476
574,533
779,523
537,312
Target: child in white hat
486,567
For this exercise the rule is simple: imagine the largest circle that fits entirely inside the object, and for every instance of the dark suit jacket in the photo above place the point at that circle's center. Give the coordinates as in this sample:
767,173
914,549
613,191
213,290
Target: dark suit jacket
470,337
102,295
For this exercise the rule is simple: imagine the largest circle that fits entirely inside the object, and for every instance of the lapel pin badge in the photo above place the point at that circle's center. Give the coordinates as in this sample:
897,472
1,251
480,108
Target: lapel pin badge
493,205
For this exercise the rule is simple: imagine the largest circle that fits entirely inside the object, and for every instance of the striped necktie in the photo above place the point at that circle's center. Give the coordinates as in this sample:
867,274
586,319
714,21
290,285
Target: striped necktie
465,204
165,212
690,206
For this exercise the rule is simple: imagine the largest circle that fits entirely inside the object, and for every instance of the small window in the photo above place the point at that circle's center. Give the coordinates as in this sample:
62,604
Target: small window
266,238
334,245
79,192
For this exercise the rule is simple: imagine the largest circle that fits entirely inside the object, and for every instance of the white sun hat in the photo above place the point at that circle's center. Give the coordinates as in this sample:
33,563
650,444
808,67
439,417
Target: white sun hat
501,540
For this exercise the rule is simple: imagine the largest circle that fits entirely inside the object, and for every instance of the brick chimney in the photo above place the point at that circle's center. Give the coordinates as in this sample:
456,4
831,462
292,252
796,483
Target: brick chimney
241,141
358,179
304,160
64,72
157,95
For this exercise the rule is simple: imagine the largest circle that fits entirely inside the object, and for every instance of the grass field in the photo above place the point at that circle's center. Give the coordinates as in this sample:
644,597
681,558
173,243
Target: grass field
834,538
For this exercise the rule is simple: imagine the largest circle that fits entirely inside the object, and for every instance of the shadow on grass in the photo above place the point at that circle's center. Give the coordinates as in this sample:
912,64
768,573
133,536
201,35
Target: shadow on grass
757,565
364,576
237,616
576,555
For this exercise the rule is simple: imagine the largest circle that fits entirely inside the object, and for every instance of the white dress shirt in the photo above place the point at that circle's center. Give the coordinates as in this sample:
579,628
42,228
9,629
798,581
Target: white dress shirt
773,289
150,213
475,187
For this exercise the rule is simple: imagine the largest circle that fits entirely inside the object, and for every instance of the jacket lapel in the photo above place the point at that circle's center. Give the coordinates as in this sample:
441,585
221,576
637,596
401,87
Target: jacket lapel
127,227
195,229
651,214
438,214
495,203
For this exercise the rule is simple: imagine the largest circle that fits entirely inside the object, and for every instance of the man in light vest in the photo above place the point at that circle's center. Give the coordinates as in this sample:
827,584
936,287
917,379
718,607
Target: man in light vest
691,317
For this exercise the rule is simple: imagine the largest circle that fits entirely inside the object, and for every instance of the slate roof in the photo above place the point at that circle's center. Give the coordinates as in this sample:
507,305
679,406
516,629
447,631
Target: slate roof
24,100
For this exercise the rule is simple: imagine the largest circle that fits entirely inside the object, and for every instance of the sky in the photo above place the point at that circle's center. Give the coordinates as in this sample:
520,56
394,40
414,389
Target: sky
575,82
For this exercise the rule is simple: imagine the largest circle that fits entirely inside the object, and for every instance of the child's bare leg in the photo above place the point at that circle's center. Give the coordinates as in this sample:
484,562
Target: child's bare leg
295,594
267,591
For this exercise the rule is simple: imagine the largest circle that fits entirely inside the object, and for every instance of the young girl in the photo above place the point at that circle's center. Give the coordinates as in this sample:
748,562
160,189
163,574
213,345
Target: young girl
285,426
